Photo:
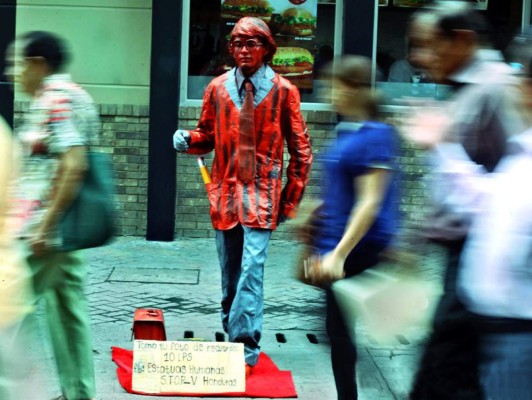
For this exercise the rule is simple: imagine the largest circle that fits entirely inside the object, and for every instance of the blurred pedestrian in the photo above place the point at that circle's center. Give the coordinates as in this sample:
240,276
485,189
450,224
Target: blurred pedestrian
409,69
495,279
60,123
247,115
357,218
475,124
16,300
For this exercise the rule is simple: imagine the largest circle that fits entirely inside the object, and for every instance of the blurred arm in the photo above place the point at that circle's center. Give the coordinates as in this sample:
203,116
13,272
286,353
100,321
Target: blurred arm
460,183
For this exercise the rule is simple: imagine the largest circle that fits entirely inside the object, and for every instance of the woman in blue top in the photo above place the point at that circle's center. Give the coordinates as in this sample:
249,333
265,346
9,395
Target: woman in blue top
358,216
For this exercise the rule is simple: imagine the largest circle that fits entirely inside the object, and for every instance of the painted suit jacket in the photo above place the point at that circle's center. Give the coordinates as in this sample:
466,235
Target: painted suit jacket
277,119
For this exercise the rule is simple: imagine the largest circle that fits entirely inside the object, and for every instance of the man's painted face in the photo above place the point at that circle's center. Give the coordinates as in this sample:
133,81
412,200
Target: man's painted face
248,52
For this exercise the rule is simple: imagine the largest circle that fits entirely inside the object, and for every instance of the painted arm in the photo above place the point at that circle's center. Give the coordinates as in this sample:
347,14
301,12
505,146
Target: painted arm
298,142
201,139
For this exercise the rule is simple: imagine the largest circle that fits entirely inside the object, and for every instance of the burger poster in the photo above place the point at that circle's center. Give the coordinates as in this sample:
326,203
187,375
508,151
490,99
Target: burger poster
293,24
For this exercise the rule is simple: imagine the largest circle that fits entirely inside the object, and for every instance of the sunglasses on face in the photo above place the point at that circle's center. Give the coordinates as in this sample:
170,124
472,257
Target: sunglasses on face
250,44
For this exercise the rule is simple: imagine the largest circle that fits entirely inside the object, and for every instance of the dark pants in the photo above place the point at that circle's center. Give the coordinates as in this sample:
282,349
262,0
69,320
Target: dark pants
506,365
343,349
449,367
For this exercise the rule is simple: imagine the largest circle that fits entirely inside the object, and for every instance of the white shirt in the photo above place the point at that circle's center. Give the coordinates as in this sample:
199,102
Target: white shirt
495,277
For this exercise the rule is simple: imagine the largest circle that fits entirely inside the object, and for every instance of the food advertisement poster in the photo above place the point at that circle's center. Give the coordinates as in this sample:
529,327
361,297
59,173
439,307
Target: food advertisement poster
293,24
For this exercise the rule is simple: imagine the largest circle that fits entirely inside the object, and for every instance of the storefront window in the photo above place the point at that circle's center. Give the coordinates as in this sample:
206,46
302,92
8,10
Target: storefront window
307,33
398,78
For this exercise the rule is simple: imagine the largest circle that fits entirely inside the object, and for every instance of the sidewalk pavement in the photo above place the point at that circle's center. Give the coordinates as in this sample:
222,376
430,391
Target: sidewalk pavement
182,278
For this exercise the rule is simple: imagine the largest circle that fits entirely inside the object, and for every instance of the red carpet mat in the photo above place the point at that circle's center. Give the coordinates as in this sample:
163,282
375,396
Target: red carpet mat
266,380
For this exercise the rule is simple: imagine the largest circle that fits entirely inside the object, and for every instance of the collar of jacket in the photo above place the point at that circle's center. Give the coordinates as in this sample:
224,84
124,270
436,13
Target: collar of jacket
266,84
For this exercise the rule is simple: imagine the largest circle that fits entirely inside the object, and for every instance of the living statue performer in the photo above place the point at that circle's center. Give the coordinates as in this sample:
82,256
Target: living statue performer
247,115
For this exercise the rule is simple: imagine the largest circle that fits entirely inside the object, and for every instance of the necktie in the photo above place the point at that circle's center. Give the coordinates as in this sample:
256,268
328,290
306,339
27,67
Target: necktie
246,146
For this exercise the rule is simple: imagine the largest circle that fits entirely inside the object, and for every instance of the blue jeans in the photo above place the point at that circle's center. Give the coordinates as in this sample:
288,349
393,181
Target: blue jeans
242,253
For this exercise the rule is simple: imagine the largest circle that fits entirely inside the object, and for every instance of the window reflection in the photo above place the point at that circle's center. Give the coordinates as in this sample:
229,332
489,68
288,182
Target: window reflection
398,73
208,56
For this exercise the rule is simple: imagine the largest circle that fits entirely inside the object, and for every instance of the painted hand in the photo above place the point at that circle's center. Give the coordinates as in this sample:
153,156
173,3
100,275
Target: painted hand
181,139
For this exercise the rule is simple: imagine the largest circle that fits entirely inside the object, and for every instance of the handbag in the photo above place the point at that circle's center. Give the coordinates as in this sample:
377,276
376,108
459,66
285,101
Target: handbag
308,221
302,264
387,301
89,221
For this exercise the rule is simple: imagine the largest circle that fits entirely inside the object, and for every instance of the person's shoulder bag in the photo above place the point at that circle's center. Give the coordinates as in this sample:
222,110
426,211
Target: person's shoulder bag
89,221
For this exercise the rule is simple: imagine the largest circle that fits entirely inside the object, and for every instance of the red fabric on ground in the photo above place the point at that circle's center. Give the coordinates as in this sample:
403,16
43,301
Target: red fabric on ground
266,380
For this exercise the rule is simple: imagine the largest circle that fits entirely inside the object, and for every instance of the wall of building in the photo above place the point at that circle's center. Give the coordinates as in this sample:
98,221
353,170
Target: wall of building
124,135
110,41
192,218
192,213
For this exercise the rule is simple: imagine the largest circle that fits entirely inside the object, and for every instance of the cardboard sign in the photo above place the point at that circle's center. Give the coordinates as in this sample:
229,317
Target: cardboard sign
165,367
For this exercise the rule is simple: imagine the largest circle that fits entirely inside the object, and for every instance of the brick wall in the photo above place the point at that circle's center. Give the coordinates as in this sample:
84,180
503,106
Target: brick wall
192,217
124,134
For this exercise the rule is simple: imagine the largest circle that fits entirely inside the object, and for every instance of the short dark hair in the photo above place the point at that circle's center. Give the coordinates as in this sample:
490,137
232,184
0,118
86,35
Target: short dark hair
453,15
48,46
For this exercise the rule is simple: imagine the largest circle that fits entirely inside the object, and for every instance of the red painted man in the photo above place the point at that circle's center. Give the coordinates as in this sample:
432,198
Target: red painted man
247,200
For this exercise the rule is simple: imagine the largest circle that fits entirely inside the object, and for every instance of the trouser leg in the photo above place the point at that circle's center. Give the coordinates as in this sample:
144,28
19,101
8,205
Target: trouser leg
449,365
343,348
19,373
59,280
343,351
506,367
229,246
242,281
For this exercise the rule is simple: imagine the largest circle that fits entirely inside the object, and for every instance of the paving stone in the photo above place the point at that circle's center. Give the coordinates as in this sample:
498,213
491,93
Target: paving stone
292,309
